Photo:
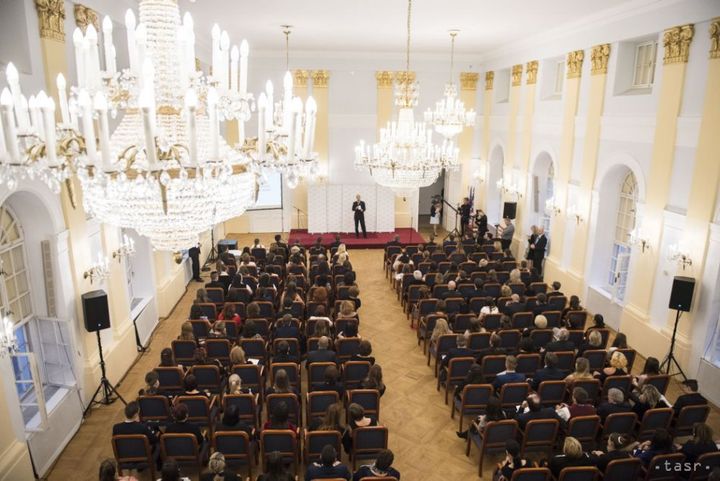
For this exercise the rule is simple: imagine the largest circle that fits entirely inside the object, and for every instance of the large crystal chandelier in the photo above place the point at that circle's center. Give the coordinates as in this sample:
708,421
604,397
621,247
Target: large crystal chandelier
282,147
450,116
405,157
164,170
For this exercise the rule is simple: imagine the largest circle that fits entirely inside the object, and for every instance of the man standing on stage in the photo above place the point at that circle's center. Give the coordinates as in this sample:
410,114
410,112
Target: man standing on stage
194,254
464,209
481,221
358,208
538,250
507,234
531,243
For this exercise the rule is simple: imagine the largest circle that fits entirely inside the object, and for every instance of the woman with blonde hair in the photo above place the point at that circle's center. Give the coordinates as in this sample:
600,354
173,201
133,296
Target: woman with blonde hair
218,470
515,276
505,291
237,356
441,328
617,367
648,398
347,311
572,455
186,332
582,371
235,384
594,341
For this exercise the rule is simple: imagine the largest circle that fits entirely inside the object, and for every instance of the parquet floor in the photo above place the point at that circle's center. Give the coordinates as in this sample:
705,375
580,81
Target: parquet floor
422,435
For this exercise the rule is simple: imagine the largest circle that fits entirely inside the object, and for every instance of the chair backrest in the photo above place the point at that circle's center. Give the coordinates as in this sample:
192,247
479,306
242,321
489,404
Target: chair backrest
316,372
216,294
688,417
266,309
132,449
458,368
219,349
577,319
580,473
254,348
554,318
198,409
566,360
557,303
182,447
492,289
522,320
576,336
475,396
653,420
315,441
342,325
479,340
292,403
630,354
208,310
497,432
623,383
183,351
283,441
513,393
293,344
621,423
347,348
454,304
201,328
660,381
591,386
540,433
246,404
369,440
491,365
552,392
354,372
541,337
623,469
369,399
492,321
538,287
235,445
665,467
584,428
596,358
462,322
154,408
318,402
445,343
171,379
251,376
704,465
510,338
292,369
208,377
531,474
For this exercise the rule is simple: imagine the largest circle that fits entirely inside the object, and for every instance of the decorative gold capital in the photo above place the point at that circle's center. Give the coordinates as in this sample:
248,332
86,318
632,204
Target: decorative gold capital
676,42
320,78
599,59
469,80
403,76
574,63
715,38
85,16
531,69
489,76
384,78
517,75
300,77
51,14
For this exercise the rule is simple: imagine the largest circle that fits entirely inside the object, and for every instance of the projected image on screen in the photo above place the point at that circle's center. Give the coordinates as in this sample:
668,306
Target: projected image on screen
270,196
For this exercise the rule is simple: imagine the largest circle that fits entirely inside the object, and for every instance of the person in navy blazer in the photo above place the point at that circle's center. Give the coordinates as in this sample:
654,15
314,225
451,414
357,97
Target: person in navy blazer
535,411
548,373
508,375
322,353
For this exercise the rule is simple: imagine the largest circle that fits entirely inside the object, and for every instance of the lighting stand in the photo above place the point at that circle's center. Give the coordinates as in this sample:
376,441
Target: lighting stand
455,232
213,256
109,393
670,358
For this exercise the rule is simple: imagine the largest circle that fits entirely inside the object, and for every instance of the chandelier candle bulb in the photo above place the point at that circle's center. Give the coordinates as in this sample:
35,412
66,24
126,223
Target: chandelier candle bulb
48,114
34,115
148,76
244,51
140,48
270,104
215,34
108,47
292,115
189,56
212,99
191,102
131,45
8,121
73,110
100,104
146,104
310,116
262,106
287,99
22,114
13,80
224,59
181,52
93,70
85,105
234,57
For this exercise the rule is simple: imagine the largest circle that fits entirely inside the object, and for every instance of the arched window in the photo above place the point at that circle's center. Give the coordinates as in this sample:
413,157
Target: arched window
549,194
625,223
42,362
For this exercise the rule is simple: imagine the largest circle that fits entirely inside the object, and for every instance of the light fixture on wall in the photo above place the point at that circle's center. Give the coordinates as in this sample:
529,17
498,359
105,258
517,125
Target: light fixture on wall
125,249
405,158
678,253
637,238
480,174
551,207
573,212
450,116
8,340
100,270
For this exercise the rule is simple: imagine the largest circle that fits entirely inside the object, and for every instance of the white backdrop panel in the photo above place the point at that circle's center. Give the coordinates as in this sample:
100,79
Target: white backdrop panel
385,210
330,208
334,207
317,214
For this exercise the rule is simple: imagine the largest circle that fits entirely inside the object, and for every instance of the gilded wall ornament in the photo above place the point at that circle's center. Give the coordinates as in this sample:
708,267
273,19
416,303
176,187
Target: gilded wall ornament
531,69
85,16
715,38
320,78
300,77
574,63
489,77
469,80
599,59
403,76
51,14
676,42
384,78
517,75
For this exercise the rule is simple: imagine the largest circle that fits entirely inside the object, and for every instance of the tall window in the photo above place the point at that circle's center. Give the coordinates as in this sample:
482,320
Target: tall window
620,260
644,73
559,77
549,194
42,364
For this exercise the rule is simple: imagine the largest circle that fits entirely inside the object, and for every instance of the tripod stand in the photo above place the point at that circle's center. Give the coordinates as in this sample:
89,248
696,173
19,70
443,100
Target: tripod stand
455,232
109,393
670,358
213,256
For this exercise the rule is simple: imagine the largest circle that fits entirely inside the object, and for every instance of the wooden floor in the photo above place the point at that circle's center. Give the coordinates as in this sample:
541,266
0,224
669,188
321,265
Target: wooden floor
422,435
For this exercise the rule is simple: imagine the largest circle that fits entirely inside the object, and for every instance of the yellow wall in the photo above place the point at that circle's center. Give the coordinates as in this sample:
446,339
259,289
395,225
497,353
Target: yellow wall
528,111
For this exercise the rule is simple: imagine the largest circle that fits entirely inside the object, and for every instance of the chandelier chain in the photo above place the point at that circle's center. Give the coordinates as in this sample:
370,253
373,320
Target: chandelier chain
287,31
407,47
452,54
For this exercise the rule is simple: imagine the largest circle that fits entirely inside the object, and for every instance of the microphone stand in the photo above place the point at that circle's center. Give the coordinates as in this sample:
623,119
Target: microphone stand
455,232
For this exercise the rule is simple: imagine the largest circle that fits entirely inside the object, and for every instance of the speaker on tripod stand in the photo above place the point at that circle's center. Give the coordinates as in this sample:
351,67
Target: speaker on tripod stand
97,318
680,299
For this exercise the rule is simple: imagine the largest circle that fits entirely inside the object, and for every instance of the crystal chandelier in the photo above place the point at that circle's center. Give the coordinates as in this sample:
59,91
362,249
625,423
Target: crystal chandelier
164,170
405,157
285,135
8,340
450,116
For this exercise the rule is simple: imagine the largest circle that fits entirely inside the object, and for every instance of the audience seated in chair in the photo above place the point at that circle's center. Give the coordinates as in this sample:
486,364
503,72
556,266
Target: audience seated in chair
180,424
275,469
572,455
382,467
328,467
508,375
322,353
217,470
548,373
614,404
689,397
660,443
512,461
618,447
356,419
702,442
374,379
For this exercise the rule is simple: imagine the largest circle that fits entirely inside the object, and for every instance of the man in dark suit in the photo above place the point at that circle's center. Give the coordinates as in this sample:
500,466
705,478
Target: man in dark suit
615,404
481,222
451,291
690,396
194,254
279,244
282,353
358,208
531,243
540,305
562,342
336,243
464,210
450,241
555,290
538,250
495,348
508,375
476,291
461,350
534,411
132,424
328,467
513,306
215,282
322,353
548,373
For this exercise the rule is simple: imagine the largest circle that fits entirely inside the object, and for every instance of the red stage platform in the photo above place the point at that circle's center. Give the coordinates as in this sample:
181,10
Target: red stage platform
375,240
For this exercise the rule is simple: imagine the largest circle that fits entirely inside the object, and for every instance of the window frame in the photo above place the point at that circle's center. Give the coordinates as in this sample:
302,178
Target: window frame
625,220
648,71
559,83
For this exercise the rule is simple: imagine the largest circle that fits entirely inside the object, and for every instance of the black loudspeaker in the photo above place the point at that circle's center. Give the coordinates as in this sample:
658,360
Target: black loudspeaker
95,310
682,293
509,210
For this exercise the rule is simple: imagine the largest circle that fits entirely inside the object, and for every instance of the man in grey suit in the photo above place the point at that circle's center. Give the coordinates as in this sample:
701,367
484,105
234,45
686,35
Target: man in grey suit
507,234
